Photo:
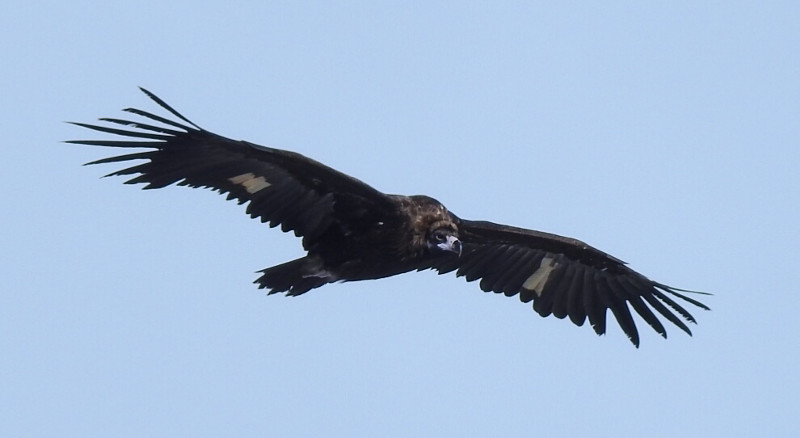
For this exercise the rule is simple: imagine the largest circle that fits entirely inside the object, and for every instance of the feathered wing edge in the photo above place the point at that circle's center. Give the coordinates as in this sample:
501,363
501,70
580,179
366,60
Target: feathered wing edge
158,136
311,173
586,284
187,155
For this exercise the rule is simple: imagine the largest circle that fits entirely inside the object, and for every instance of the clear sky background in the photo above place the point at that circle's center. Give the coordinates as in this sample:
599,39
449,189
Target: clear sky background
665,133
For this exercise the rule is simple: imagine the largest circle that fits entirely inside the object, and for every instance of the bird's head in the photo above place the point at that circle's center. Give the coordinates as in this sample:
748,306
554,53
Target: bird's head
434,230
444,238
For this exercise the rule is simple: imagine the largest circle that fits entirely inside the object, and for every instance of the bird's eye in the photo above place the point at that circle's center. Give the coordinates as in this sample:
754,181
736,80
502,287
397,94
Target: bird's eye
440,236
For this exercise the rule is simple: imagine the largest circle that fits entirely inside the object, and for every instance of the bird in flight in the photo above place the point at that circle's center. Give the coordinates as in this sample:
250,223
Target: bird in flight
352,231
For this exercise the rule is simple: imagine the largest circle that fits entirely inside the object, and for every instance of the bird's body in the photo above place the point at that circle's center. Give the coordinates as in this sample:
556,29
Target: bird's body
352,231
364,244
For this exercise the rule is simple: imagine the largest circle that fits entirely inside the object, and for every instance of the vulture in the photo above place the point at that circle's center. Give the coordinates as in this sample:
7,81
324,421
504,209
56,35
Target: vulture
351,231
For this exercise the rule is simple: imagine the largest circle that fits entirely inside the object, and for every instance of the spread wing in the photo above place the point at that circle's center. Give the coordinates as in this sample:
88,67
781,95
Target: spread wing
565,277
282,187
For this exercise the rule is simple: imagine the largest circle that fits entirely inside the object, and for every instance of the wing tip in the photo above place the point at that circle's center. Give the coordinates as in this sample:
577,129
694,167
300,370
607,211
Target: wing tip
677,292
166,106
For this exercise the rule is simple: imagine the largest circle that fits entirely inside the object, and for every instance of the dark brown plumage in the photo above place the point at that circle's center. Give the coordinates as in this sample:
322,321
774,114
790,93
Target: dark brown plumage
354,232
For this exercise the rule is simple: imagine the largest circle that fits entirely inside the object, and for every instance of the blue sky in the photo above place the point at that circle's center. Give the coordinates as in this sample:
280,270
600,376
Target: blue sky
665,133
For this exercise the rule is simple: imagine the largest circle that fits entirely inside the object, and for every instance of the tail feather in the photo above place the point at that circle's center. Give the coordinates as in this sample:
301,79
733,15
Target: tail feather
295,277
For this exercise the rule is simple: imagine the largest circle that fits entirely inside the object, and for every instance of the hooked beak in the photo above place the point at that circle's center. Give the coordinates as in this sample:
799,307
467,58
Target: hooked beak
452,244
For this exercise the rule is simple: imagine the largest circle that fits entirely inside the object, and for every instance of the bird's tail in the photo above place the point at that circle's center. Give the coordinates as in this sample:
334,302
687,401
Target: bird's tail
295,277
